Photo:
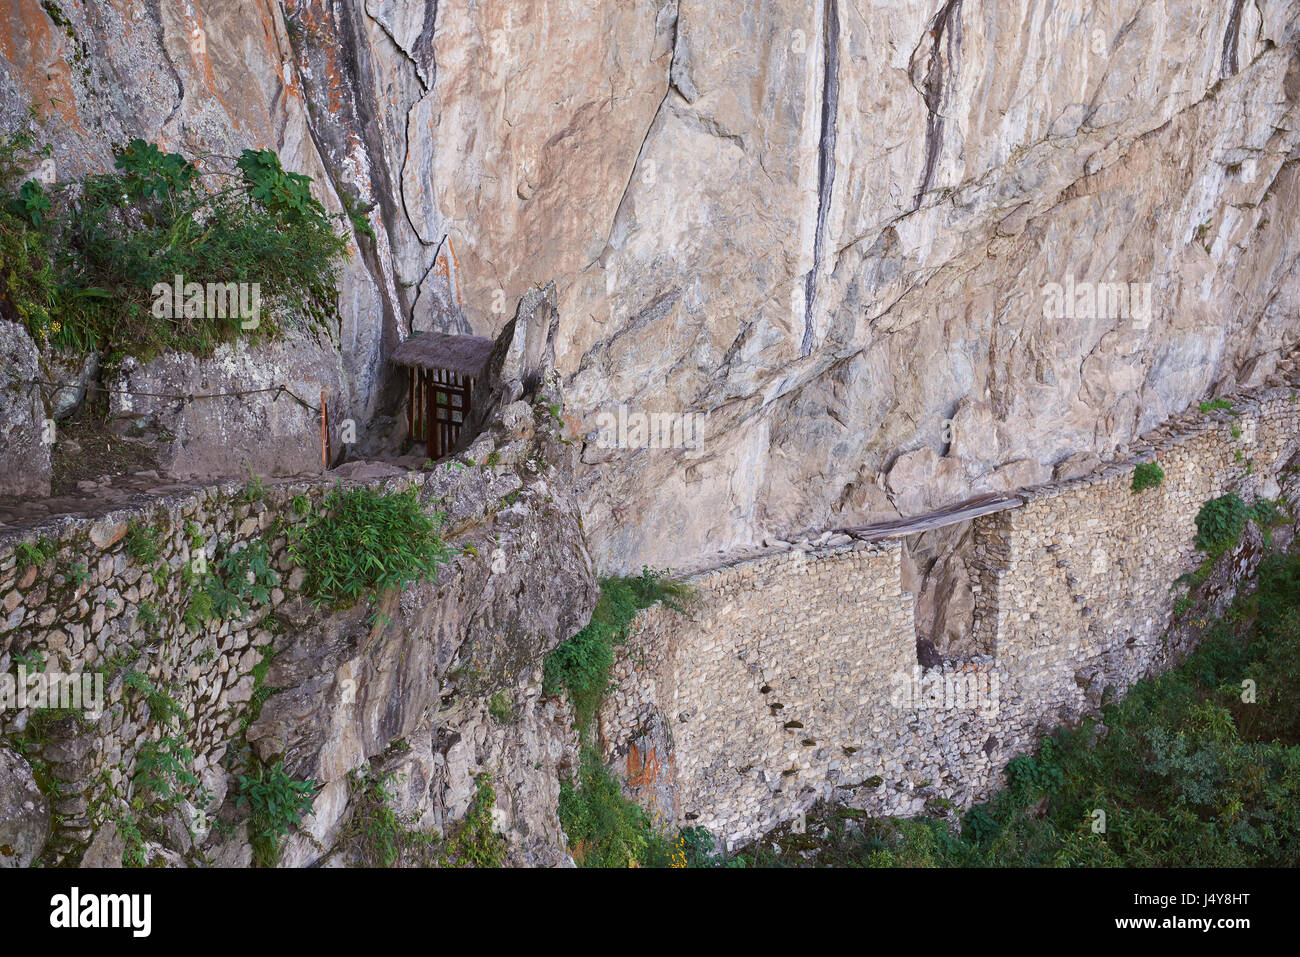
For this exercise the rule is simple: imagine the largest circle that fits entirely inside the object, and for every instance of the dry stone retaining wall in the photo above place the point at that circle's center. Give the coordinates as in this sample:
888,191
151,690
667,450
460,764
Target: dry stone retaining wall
404,683
92,607
795,677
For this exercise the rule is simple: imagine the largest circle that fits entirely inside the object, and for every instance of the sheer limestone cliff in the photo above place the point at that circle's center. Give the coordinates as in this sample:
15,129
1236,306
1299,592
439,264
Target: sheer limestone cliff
829,226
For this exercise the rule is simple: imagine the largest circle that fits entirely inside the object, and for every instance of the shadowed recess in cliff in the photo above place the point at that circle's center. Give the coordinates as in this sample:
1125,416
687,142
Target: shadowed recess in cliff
825,159
946,26
1231,38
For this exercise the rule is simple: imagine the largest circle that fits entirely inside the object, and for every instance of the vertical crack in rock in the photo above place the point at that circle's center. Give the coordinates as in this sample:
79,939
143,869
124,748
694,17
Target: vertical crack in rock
944,28
328,131
825,159
156,11
1231,37
636,164
420,52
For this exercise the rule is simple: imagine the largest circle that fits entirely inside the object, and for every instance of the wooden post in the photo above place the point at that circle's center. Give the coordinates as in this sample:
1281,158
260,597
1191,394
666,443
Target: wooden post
324,433
410,407
429,420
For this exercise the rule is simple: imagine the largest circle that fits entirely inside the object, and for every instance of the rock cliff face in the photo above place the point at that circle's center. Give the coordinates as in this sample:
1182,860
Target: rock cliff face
828,225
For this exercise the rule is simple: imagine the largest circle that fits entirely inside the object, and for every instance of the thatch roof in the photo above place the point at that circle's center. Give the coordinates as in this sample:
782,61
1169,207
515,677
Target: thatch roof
464,355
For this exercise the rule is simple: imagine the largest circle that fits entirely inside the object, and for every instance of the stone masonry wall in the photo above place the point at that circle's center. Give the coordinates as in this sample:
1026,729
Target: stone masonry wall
92,607
414,667
795,676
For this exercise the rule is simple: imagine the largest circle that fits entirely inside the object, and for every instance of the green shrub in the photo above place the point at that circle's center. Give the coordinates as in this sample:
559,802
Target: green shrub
1219,523
1147,475
35,554
144,543
475,842
234,583
162,769
604,828
79,264
163,708
500,709
374,832
276,803
580,666
1214,405
363,541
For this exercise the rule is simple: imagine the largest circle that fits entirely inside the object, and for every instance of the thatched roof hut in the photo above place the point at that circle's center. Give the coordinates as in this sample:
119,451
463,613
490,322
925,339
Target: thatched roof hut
464,355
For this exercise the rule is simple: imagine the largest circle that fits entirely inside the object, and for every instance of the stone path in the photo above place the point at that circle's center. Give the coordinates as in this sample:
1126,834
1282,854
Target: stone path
109,492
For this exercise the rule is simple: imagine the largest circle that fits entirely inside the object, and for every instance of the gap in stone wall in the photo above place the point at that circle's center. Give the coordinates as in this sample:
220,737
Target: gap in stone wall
937,569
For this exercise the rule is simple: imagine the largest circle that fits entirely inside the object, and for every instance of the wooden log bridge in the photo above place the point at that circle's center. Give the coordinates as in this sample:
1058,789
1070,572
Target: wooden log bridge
961,512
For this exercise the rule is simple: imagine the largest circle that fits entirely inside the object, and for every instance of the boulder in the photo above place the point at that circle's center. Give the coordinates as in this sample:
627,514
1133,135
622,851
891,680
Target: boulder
24,812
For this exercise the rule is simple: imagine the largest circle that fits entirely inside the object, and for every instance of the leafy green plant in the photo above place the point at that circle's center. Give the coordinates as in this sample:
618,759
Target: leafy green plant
1147,475
603,826
255,490
475,842
276,803
133,850
162,769
163,708
374,832
81,265
236,581
144,543
500,709
148,614
580,666
33,659
78,574
35,554
1219,523
363,541
1214,405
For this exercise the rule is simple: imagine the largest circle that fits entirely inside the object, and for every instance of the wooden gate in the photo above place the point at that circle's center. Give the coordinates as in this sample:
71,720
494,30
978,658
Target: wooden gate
439,405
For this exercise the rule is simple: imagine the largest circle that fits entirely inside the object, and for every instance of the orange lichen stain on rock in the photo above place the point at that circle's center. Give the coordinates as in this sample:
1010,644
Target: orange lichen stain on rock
642,771
41,63
452,269
196,41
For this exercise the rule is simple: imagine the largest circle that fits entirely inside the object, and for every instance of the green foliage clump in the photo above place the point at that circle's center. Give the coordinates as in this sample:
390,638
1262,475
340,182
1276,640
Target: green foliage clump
364,541
162,769
163,708
144,543
374,832
476,843
276,803
580,666
1214,405
500,709
29,286
35,554
1219,523
238,580
605,829
81,264
1147,475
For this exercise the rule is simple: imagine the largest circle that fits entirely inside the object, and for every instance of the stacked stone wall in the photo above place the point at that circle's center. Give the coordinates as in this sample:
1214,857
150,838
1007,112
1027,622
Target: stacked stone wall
794,678
92,609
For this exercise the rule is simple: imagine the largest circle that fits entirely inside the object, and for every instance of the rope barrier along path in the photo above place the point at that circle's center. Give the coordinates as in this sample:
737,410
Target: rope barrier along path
278,390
